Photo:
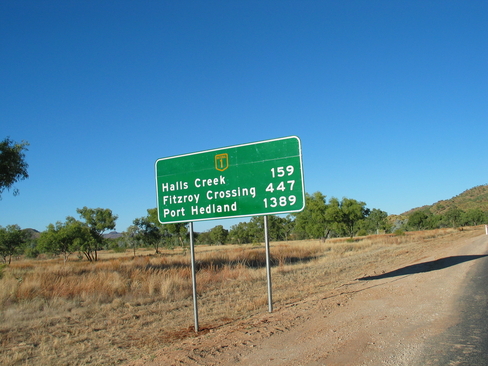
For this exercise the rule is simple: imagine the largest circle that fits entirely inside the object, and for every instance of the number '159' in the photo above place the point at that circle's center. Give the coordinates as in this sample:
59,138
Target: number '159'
280,171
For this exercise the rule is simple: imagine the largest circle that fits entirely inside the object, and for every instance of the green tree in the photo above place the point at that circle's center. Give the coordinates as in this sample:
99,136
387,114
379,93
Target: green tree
30,247
131,239
178,232
98,221
285,227
64,238
204,238
218,235
453,217
474,217
147,232
377,220
174,232
12,239
255,228
346,215
433,221
240,234
312,221
13,167
418,220
279,228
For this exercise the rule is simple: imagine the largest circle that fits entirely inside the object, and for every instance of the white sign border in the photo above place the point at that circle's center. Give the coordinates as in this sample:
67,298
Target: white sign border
230,147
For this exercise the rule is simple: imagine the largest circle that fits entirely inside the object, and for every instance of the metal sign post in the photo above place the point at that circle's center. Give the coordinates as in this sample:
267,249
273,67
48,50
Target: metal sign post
268,265
193,277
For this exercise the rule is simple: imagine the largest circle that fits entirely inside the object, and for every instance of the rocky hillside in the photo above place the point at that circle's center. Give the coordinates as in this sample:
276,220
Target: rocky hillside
112,235
476,197
33,233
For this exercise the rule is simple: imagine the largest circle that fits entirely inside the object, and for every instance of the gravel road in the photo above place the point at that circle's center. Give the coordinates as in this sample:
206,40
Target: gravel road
416,314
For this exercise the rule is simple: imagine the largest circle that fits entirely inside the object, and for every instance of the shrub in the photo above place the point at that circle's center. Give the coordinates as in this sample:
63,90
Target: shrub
362,232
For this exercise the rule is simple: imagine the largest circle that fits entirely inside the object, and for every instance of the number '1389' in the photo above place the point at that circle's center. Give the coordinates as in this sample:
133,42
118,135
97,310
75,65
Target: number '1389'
280,201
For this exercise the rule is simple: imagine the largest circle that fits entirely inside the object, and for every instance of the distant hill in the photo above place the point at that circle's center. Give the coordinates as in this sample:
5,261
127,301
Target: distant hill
476,197
33,233
112,235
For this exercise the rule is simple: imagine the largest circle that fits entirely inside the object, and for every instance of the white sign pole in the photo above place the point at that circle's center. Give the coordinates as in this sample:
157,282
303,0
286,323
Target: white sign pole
268,265
486,229
193,277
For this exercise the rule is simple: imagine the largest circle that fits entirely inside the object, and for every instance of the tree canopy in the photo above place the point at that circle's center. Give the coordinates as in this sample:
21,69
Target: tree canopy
98,220
146,231
64,238
320,219
13,167
11,240
312,222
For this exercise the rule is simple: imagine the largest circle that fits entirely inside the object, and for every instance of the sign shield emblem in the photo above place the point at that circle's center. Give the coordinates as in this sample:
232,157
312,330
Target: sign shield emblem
221,162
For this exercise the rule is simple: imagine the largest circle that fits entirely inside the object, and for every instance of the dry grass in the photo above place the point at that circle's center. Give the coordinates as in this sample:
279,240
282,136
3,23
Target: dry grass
122,307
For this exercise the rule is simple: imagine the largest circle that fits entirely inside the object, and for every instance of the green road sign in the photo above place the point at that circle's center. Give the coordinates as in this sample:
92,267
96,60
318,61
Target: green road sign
260,178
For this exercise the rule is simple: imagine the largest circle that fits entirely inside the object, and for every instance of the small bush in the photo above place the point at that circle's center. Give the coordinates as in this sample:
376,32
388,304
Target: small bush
114,245
362,232
399,232
31,252
2,267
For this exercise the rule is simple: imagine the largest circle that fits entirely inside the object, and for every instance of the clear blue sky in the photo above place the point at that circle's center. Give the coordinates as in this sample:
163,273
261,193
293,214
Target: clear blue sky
389,98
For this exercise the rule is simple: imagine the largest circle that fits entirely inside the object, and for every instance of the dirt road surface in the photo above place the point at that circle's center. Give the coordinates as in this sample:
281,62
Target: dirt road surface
386,317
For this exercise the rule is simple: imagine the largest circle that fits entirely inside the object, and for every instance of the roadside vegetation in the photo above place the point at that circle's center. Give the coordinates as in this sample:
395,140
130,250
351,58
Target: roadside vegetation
123,306
321,219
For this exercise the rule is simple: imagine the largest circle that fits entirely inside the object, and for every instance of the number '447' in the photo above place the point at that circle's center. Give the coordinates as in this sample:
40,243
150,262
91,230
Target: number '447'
281,186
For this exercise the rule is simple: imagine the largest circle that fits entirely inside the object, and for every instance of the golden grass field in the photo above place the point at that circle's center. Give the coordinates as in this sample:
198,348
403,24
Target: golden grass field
122,307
